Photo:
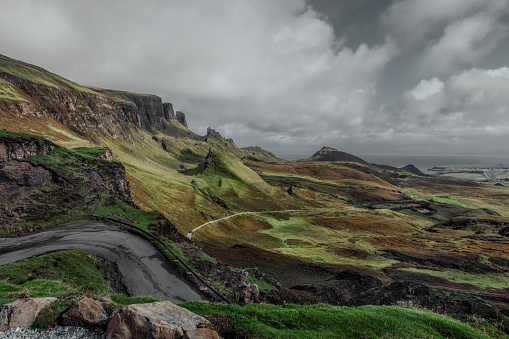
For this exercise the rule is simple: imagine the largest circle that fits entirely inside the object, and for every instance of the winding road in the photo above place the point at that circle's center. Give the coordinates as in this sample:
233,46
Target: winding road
145,271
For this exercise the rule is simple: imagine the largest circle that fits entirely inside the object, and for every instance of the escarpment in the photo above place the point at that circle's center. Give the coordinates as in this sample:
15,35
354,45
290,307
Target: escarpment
12,148
90,112
43,182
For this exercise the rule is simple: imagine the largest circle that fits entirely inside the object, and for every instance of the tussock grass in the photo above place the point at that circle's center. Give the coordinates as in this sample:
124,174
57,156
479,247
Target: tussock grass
448,201
38,75
54,275
124,300
325,321
486,280
47,317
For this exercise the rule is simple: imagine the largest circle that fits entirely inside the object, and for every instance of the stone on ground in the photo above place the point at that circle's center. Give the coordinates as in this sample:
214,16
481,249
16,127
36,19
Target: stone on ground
156,320
87,312
22,312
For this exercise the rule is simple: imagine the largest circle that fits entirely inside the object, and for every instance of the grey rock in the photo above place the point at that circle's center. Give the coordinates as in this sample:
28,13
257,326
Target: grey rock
156,320
22,312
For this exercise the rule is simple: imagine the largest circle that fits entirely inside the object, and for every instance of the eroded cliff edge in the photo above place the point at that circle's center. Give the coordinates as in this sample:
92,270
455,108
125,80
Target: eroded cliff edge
88,111
42,182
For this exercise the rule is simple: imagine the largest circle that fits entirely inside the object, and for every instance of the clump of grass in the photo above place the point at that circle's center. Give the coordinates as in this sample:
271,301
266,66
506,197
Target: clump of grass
326,321
124,300
54,275
48,316
448,201
111,205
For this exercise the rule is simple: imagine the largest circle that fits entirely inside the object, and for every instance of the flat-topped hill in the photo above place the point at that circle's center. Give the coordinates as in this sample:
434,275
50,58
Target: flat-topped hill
332,154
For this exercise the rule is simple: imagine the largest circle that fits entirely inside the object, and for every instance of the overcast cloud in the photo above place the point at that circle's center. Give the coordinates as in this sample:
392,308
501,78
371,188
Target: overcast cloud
290,75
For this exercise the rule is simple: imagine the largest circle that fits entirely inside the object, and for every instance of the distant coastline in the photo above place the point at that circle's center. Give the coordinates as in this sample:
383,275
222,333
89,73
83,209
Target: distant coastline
423,162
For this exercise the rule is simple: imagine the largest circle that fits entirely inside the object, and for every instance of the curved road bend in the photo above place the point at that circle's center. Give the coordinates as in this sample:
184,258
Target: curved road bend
145,271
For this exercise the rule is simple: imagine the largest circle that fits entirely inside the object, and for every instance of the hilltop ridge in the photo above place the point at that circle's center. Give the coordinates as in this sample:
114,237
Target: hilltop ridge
331,154
32,92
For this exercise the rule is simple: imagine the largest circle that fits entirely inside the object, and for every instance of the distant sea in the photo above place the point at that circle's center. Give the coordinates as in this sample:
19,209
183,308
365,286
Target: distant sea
422,161
426,161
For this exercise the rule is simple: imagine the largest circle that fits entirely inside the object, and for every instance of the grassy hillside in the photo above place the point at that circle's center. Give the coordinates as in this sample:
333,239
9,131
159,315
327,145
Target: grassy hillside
59,275
444,235
54,275
61,185
37,75
325,321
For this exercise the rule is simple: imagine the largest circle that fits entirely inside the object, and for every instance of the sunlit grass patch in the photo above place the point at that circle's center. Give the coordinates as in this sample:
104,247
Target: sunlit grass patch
326,321
54,275
448,201
486,280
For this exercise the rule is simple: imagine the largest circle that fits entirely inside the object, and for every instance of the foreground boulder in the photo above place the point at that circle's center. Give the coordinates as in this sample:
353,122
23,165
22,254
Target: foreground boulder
201,333
22,312
87,312
156,320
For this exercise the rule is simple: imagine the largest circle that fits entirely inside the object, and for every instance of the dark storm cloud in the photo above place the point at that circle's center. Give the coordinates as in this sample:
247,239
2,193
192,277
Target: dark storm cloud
286,74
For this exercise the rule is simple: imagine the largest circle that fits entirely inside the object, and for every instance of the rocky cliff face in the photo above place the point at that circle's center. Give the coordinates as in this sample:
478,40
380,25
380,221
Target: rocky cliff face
42,182
86,111
181,117
145,111
16,149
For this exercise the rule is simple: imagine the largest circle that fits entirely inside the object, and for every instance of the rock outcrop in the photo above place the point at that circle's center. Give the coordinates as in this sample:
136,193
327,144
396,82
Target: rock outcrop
87,312
181,117
169,113
201,333
22,312
42,180
12,148
332,154
211,134
210,158
156,320
85,110
147,111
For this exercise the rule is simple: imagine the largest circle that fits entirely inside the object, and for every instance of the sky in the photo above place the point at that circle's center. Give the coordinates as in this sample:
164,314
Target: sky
291,76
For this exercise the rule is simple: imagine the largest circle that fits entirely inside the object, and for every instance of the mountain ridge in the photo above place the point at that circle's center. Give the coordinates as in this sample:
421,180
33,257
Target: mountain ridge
331,154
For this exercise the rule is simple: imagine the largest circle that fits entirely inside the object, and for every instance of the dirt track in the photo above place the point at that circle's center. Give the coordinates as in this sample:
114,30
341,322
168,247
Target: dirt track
145,271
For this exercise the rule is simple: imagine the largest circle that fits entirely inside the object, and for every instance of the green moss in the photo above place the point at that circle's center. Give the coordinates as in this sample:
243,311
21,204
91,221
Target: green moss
54,275
6,300
448,201
264,286
325,321
111,205
124,300
47,317
487,280
8,92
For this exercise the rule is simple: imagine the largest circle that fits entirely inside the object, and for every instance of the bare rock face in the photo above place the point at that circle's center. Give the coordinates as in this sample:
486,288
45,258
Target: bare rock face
212,133
169,113
210,158
181,117
247,294
87,312
156,320
147,112
201,333
19,149
38,191
22,312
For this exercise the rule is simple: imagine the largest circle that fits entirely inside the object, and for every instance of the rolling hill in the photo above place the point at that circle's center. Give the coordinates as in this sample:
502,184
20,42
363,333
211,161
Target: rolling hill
330,228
